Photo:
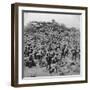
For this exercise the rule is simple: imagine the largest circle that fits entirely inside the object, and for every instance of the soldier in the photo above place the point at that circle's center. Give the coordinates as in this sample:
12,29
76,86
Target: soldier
74,54
26,52
49,60
31,61
65,51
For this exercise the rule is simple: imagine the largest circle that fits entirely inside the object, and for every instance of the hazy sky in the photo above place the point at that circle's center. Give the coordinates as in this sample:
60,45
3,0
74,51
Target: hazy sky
68,19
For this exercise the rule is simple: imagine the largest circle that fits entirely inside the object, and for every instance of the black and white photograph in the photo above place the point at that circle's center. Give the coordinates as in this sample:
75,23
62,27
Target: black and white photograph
51,44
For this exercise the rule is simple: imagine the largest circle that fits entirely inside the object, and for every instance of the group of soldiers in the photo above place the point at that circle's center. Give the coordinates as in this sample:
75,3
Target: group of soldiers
49,44
49,57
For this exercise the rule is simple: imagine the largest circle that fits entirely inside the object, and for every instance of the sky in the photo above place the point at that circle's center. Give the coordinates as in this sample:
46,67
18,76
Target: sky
68,19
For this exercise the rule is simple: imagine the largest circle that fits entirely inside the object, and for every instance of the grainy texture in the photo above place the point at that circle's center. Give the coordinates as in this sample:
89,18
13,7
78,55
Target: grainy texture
51,48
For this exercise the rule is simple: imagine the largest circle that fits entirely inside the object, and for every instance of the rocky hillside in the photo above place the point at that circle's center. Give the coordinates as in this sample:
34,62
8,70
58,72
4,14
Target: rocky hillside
54,39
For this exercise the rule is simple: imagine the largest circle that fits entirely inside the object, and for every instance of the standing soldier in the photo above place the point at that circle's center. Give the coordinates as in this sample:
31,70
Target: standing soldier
49,60
31,61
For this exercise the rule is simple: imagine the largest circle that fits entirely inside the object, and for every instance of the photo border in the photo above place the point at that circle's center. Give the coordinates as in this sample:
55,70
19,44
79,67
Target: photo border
14,43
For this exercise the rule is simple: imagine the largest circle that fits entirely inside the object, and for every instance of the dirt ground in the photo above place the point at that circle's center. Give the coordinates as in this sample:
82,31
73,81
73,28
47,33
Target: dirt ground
69,67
